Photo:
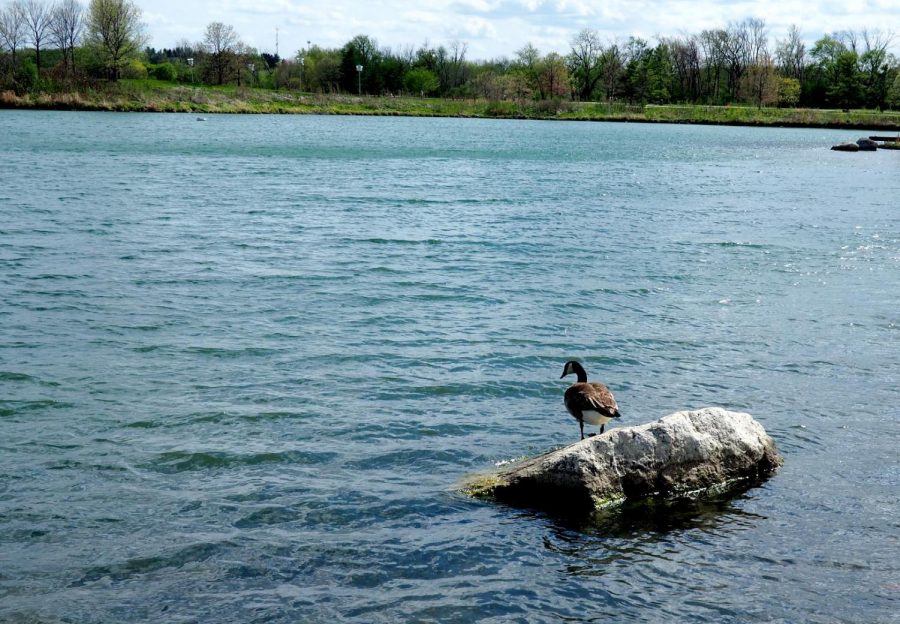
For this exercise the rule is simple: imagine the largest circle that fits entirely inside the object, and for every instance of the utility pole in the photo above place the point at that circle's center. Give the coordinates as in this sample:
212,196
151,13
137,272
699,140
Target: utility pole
276,42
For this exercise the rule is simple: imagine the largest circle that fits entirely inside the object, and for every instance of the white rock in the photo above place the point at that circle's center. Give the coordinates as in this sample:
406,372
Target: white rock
683,453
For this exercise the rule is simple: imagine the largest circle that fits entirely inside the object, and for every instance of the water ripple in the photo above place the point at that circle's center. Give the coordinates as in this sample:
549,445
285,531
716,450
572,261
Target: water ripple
243,391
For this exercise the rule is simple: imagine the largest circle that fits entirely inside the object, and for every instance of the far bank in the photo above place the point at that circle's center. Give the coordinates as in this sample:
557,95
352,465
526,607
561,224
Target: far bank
157,96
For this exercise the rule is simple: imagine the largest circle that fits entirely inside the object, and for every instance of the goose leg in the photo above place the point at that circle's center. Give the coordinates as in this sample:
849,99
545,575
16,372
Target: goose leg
581,424
601,427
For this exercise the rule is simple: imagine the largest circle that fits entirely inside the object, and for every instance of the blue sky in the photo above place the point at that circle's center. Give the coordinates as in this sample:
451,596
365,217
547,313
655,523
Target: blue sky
493,28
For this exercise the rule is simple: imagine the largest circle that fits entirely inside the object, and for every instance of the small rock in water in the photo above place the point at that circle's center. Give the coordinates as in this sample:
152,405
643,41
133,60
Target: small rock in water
866,145
845,147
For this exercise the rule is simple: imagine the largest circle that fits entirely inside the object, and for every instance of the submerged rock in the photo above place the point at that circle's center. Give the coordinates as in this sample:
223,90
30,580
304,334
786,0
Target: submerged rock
845,147
684,453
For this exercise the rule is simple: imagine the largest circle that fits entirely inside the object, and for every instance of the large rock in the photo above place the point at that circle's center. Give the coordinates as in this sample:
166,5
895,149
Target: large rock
681,454
845,147
866,145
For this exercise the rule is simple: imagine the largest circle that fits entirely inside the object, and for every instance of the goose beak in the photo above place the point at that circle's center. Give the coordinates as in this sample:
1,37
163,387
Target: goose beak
563,375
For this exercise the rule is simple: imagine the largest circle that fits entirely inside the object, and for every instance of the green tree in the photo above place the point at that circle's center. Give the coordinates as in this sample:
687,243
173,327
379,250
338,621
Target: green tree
875,68
893,94
527,63
421,81
115,33
361,50
321,69
392,70
660,75
788,92
585,60
635,79
821,76
846,84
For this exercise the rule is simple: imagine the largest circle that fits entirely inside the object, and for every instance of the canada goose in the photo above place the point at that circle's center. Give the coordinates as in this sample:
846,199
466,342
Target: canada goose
588,402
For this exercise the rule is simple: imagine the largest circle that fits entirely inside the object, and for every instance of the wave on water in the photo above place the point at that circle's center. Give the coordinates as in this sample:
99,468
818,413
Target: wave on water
403,241
186,461
118,572
13,408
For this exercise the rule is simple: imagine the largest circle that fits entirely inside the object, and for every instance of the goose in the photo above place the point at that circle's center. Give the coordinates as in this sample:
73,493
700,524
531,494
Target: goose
588,402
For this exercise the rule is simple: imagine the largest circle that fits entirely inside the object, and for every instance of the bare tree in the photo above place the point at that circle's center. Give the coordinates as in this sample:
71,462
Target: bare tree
584,61
712,43
66,28
450,65
221,41
456,64
850,39
761,81
757,40
685,51
737,54
553,76
12,29
790,54
612,66
115,31
37,19
877,40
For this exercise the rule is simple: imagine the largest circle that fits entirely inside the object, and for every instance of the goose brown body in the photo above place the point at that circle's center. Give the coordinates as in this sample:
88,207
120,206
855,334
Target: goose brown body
590,403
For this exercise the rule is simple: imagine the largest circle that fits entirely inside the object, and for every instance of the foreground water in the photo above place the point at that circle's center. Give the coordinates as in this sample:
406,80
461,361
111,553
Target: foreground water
243,364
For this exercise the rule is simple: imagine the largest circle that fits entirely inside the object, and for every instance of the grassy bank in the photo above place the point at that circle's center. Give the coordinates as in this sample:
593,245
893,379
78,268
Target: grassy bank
157,96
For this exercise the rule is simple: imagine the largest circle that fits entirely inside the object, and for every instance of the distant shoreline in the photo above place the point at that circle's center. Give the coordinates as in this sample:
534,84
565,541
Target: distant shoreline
155,96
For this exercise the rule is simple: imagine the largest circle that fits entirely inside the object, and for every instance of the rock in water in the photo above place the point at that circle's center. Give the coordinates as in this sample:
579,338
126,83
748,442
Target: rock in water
684,453
866,145
845,147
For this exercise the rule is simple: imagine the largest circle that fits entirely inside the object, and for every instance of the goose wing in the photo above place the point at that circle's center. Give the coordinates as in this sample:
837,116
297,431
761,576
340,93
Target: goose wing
591,396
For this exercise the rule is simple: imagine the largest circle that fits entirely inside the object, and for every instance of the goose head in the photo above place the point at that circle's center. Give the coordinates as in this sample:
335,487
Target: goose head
574,368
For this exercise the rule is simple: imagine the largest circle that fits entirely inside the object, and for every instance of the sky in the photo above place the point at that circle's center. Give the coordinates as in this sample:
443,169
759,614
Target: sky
496,28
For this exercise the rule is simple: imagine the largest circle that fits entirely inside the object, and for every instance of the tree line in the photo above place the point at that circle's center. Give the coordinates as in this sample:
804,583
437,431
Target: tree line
63,44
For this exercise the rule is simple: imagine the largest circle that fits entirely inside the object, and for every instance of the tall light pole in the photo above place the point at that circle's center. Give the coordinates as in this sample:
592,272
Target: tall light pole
191,63
302,63
359,69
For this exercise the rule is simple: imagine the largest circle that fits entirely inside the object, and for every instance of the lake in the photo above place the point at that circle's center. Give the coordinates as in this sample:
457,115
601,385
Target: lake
244,365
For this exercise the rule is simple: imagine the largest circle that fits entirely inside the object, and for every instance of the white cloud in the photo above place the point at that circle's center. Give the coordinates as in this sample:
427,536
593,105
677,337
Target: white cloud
493,28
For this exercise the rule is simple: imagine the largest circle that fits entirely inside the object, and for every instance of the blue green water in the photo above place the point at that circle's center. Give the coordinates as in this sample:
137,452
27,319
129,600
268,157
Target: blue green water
244,364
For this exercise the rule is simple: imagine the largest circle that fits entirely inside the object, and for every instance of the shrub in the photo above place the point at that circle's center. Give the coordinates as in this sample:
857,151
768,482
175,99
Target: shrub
134,70
553,107
164,71
502,108
788,92
26,76
420,81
